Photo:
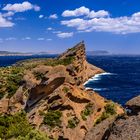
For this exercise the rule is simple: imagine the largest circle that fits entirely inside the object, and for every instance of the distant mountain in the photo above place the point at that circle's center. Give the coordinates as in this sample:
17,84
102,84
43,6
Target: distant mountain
98,52
7,53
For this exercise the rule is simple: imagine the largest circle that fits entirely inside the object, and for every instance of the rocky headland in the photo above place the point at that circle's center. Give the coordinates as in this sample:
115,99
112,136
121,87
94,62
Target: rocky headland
44,99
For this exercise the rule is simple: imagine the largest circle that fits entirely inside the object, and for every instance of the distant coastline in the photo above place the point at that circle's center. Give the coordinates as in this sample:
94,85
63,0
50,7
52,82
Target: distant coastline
16,54
7,53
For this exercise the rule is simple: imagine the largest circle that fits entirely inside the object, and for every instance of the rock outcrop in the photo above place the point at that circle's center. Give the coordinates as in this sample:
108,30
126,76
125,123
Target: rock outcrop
134,105
51,92
128,126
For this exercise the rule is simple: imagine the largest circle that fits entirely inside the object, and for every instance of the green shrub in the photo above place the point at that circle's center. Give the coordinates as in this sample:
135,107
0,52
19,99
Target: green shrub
66,89
87,111
38,75
34,135
13,81
52,118
110,109
55,62
72,123
101,118
17,127
11,89
14,126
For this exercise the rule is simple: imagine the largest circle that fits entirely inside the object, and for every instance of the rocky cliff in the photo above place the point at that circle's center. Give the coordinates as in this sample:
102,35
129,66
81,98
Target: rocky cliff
51,94
128,126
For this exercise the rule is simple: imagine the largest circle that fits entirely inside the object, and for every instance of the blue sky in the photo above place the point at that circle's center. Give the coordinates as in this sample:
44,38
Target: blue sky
55,25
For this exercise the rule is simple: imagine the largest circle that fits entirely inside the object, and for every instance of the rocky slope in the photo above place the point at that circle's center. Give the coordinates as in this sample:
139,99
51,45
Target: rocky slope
52,94
128,126
124,127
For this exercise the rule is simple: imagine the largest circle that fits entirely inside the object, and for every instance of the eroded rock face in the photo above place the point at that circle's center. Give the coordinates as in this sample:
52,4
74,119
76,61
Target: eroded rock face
134,102
128,126
134,105
55,99
100,131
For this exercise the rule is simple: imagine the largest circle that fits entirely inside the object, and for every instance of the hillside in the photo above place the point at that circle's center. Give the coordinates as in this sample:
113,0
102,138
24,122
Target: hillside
46,98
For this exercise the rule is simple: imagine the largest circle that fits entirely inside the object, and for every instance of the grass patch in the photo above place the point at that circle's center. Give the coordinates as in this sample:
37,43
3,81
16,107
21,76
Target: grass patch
10,80
72,123
34,135
38,75
102,117
54,62
14,126
87,111
110,110
52,118
13,81
65,89
17,127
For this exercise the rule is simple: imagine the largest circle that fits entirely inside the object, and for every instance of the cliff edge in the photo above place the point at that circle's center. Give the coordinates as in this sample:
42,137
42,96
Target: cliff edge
51,94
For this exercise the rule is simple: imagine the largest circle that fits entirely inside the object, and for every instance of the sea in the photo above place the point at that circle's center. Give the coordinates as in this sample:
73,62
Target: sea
120,82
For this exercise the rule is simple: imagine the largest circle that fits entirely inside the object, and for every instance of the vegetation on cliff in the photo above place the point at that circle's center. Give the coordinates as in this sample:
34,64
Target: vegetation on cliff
17,126
109,110
51,92
52,118
87,111
10,80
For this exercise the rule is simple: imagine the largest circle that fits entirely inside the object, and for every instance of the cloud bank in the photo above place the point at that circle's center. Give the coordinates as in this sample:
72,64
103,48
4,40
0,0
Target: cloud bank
83,11
10,9
101,21
21,7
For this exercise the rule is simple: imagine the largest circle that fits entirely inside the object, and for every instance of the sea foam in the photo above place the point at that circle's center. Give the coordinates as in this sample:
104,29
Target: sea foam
97,77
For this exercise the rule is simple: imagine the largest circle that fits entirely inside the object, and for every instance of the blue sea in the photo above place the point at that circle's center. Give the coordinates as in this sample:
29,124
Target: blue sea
120,83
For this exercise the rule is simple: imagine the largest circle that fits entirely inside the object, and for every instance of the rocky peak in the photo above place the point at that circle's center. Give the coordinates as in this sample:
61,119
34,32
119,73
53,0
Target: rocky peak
76,51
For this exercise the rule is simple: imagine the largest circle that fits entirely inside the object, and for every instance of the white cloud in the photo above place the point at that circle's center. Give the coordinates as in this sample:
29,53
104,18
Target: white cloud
84,11
77,12
41,39
65,34
41,16
4,22
50,29
101,13
104,23
54,16
11,9
8,14
21,7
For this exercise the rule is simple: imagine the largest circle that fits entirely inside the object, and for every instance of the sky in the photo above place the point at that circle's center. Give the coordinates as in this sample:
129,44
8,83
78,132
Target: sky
55,25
